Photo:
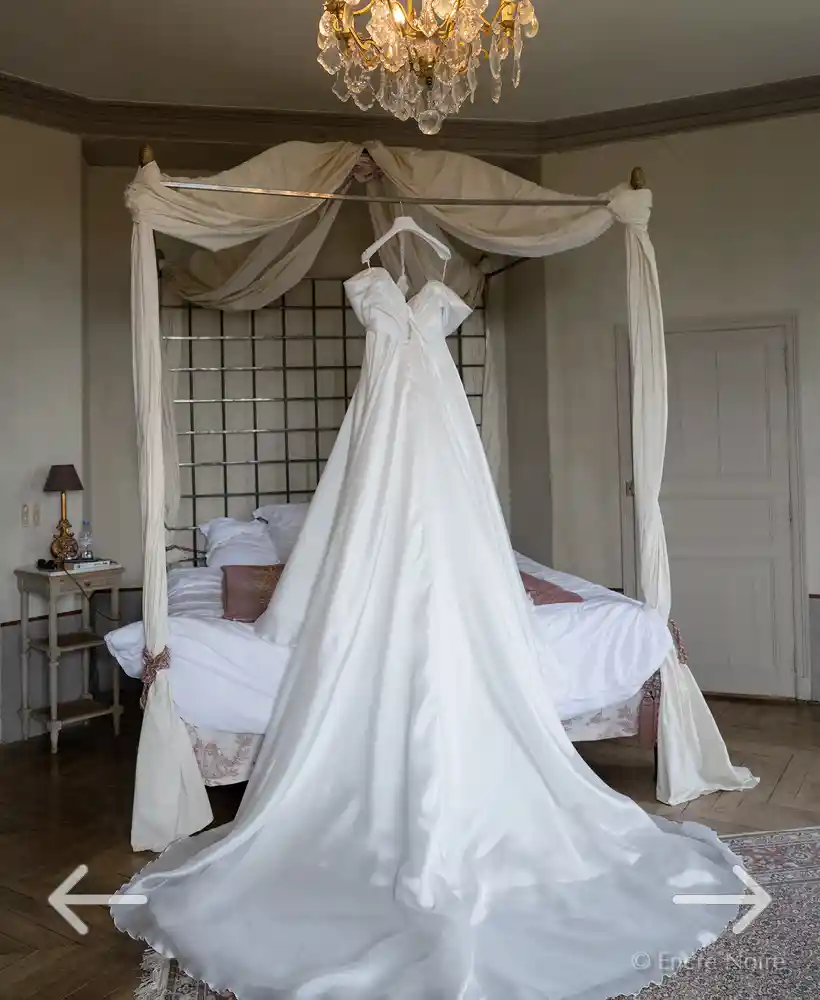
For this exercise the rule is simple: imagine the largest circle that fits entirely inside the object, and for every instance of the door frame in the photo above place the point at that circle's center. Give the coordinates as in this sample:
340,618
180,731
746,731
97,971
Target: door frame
623,373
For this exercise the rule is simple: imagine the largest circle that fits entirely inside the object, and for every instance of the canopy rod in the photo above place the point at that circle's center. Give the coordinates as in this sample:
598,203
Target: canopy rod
380,199
637,181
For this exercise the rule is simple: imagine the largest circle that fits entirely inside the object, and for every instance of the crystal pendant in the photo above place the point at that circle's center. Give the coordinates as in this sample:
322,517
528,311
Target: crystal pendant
531,30
525,11
459,91
496,94
444,70
469,24
356,78
340,87
394,57
330,59
446,104
495,59
443,8
472,80
430,121
412,89
365,98
427,23
518,45
381,93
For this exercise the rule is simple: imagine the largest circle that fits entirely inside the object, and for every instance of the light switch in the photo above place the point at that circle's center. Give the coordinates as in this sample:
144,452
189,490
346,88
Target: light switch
36,515
24,515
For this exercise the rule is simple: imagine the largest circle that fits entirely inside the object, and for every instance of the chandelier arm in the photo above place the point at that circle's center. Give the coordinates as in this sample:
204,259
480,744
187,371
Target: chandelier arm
450,20
364,44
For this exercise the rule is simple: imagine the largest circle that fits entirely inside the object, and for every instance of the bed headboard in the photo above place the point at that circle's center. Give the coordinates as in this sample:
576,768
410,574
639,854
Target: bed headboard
261,395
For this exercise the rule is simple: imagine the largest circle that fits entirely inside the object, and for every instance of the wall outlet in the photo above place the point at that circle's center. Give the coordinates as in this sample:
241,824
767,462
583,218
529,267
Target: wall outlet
36,515
24,515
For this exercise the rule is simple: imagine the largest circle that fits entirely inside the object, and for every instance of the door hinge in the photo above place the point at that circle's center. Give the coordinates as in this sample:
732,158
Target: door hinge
629,487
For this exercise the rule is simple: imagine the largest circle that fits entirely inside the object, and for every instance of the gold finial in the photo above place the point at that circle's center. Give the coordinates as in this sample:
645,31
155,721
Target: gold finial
637,179
146,155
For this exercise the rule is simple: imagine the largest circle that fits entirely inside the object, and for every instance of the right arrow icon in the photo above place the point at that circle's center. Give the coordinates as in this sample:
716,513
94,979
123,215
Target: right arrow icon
757,901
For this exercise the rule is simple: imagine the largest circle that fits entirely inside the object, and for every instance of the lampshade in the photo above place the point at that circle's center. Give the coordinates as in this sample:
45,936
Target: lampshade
62,479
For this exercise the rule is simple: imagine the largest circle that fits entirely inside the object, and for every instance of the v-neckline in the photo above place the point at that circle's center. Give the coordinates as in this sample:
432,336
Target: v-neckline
391,280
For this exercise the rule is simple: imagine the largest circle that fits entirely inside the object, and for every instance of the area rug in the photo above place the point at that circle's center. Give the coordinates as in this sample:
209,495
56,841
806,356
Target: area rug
776,958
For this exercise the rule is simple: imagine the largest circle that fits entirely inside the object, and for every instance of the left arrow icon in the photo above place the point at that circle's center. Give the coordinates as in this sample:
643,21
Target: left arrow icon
62,900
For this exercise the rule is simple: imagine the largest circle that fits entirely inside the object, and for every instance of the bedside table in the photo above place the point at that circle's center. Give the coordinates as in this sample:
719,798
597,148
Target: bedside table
52,586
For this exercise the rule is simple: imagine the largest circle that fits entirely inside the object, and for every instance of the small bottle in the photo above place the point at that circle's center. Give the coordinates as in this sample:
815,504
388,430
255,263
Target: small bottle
85,541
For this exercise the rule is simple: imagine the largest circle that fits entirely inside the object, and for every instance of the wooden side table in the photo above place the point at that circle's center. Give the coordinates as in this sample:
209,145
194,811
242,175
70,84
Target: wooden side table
52,586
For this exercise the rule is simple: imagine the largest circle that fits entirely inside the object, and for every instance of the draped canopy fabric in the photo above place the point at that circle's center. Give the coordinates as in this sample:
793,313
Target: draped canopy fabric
283,244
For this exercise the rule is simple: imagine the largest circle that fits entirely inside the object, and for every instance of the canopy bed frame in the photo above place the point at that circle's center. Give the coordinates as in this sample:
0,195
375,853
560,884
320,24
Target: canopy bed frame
259,227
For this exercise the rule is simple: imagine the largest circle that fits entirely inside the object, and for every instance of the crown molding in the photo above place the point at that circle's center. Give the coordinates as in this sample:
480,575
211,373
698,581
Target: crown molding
98,122
212,137
731,107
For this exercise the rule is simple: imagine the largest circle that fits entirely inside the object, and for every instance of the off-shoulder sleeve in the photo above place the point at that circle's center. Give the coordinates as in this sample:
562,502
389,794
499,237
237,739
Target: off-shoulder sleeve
356,289
455,311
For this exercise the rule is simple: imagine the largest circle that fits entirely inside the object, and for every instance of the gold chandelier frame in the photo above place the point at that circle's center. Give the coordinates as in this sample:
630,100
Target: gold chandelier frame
344,28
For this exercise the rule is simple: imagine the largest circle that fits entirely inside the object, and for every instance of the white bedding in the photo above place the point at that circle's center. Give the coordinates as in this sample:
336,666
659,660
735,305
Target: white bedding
224,677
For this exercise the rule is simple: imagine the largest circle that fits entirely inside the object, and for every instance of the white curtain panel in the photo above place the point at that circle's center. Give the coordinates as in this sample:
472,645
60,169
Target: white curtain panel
693,757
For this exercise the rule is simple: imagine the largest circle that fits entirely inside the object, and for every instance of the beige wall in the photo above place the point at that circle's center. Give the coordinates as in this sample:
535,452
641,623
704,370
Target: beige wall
736,227
40,337
111,443
528,434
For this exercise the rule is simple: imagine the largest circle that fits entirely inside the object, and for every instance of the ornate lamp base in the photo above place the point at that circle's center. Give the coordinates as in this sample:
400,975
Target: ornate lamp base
64,546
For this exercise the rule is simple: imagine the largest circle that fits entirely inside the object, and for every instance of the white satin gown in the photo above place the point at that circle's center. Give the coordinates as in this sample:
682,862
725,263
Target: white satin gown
418,826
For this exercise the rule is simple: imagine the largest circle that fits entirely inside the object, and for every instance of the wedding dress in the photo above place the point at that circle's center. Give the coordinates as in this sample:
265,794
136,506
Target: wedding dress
418,826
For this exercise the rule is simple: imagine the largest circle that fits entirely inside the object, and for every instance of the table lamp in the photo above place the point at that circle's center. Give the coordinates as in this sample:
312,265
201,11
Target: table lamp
63,479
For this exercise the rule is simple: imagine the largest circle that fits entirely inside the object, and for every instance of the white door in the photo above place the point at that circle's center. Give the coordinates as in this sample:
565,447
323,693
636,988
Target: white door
726,502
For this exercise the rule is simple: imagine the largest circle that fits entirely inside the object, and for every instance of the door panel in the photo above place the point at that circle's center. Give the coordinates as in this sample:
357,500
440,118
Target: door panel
726,506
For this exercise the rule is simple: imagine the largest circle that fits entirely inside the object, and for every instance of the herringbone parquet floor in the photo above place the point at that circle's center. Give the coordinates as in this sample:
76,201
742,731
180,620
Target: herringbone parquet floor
59,812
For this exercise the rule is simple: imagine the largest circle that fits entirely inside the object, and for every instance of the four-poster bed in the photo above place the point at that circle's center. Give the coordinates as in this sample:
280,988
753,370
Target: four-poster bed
259,207
226,678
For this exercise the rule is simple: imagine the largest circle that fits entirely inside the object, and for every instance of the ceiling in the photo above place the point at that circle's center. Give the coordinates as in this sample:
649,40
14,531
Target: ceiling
590,56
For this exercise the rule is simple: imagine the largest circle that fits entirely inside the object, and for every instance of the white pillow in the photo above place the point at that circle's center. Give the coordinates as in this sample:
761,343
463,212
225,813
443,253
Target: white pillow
283,522
229,542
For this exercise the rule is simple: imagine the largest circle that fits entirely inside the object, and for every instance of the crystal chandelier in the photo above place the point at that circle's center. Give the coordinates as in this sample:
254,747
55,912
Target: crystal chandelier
420,60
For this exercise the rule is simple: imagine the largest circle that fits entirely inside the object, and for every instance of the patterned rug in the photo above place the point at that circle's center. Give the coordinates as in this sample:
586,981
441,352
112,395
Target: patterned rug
776,958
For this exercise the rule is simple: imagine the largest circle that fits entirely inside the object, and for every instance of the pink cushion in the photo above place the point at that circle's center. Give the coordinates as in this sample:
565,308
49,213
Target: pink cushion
544,592
247,590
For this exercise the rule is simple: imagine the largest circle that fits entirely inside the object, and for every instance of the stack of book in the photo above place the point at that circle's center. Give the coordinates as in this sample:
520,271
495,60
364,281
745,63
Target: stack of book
84,565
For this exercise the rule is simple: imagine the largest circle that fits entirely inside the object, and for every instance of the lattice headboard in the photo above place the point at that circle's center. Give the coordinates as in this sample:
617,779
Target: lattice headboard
261,396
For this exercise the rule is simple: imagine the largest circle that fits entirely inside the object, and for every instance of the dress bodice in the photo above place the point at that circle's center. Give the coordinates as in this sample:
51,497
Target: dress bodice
377,301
